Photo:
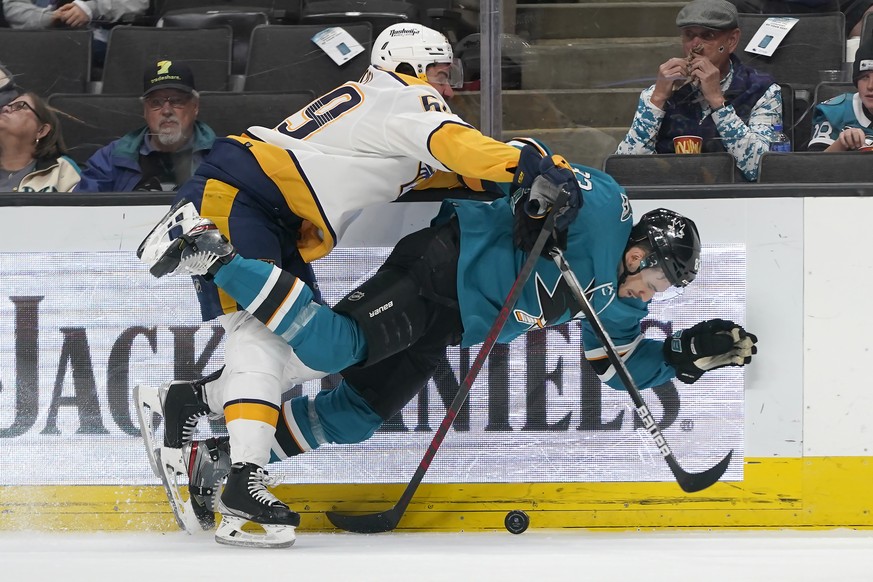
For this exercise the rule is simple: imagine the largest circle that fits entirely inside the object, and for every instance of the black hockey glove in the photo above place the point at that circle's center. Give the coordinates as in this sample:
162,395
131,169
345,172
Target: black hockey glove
538,182
709,345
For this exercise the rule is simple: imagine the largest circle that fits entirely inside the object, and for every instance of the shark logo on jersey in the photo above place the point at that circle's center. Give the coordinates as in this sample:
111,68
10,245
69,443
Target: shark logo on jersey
554,305
625,208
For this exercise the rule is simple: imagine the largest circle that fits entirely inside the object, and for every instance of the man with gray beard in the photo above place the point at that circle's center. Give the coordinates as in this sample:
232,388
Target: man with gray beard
163,154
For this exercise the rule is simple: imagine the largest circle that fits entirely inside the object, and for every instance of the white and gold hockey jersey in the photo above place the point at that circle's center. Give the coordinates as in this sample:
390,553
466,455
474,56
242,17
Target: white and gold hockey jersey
363,143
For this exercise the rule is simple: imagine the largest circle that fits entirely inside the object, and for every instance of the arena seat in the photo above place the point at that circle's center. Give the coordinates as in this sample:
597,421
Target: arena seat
379,13
131,48
284,58
278,11
241,22
816,167
90,121
867,26
817,42
829,90
48,61
231,113
663,169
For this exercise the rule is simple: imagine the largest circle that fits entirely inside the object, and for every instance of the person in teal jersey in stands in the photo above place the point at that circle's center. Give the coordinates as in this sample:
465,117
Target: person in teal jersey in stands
845,123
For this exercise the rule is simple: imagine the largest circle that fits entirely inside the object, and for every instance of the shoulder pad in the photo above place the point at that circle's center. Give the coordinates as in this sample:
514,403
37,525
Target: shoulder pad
839,99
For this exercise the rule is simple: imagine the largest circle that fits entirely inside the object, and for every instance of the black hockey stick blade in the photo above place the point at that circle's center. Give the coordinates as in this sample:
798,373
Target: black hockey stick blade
689,482
693,482
366,524
388,520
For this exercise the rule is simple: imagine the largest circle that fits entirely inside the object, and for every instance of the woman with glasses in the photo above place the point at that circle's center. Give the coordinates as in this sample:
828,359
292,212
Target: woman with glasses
32,148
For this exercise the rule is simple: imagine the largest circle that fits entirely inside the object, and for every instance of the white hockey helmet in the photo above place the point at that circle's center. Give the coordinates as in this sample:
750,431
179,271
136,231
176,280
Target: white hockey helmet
416,45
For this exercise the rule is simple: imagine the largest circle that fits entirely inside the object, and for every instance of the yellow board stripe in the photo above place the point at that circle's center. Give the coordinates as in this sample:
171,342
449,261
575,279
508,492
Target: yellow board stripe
248,410
812,492
218,199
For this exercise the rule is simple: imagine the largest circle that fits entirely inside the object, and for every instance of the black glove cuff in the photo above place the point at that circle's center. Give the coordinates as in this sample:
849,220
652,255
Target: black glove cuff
690,375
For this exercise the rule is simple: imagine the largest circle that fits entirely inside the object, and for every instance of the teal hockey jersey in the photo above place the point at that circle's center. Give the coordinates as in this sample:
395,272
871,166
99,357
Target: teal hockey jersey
489,264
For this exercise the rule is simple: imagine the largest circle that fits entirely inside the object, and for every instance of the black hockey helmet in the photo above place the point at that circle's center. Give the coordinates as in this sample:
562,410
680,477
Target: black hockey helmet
675,244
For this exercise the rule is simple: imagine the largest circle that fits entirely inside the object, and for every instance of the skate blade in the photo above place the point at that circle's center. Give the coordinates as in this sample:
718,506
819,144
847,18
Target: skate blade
148,403
172,465
230,533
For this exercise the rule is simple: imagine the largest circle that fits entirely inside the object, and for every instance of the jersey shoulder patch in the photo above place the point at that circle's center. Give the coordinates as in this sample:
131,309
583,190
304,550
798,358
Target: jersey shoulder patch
626,211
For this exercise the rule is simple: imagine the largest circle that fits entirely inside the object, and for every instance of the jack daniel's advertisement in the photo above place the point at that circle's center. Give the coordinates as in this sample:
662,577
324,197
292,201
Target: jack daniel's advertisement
79,330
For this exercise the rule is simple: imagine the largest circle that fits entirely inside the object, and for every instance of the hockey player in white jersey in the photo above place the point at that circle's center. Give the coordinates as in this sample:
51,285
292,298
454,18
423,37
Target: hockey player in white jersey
285,195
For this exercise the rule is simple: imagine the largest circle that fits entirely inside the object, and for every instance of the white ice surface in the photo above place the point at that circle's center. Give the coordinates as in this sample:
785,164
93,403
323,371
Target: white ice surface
535,556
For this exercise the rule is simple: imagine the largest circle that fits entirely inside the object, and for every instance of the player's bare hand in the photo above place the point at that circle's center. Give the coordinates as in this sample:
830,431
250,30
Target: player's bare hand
671,75
72,16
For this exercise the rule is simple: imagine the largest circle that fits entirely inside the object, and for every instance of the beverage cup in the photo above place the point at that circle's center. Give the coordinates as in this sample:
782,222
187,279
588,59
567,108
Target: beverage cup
688,144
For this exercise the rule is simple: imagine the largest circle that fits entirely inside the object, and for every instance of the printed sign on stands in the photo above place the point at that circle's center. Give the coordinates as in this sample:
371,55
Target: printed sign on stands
79,330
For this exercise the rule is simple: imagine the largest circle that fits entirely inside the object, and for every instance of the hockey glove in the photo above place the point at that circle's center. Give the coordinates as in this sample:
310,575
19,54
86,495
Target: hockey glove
538,182
709,345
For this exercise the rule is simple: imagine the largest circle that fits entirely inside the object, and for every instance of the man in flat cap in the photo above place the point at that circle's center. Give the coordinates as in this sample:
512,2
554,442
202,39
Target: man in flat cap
163,154
709,93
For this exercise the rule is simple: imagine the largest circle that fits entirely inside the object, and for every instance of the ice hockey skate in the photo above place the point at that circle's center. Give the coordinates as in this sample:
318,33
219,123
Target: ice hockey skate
208,463
183,241
245,498
176,455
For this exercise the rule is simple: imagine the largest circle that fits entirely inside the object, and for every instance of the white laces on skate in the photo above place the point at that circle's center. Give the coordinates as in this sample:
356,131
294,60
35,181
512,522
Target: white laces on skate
259,480
198,263
189,429
208,245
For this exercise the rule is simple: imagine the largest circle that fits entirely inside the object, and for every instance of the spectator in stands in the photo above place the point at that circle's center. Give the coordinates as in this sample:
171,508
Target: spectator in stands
99,15
165,153
32,148
710,93
844,122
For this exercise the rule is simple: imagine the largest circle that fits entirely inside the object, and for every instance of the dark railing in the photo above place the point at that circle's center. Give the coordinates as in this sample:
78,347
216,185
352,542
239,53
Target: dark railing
710,191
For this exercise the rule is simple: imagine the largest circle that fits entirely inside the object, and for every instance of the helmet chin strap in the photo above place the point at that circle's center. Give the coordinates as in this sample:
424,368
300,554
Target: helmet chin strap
626,272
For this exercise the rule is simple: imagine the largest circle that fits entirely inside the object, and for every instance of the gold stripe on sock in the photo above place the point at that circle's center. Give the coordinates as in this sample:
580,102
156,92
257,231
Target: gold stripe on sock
251,410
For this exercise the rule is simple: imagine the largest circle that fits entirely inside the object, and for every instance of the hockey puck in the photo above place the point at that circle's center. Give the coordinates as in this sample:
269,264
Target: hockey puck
516,521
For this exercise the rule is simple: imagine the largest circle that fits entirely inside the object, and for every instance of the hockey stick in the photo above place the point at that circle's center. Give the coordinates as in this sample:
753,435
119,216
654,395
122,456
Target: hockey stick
689,482
388,520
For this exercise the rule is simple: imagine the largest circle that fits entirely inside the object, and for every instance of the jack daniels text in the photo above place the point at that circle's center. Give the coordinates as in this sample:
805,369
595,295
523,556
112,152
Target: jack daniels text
75,384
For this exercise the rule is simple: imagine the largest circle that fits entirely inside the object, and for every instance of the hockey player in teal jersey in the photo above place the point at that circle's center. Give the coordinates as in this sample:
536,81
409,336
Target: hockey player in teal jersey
444,286
845,123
